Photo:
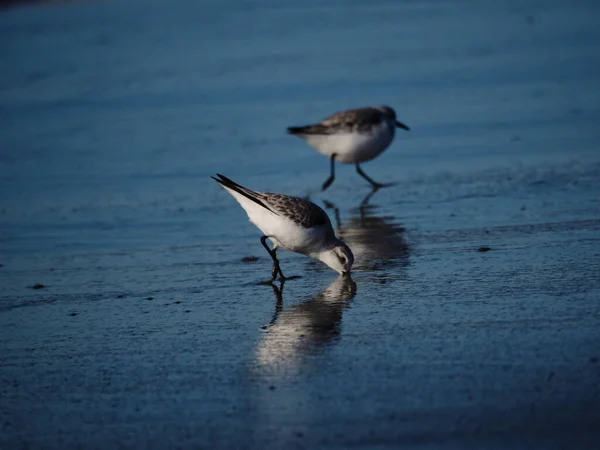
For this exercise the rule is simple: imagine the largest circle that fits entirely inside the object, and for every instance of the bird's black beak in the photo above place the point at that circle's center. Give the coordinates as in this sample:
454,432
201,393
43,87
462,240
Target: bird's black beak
401,125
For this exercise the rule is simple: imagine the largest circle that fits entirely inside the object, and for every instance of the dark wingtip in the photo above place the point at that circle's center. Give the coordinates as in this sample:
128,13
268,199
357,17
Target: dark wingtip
230,184
223,178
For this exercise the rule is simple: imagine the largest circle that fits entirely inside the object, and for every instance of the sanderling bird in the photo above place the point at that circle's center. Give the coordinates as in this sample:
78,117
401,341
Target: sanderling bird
352,137
293,224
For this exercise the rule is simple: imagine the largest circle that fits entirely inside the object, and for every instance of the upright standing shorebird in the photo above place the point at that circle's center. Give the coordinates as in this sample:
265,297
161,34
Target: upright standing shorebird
293,224
352,137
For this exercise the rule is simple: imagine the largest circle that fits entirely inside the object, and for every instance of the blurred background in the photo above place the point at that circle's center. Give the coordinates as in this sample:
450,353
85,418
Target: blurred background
126,312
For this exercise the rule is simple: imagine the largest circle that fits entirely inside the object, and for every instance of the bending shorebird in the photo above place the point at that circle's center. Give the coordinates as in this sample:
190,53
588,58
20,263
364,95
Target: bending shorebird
352,137
293,224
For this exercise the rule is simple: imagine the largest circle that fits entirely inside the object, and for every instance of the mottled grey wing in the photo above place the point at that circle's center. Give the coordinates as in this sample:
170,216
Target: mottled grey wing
301,211
361,119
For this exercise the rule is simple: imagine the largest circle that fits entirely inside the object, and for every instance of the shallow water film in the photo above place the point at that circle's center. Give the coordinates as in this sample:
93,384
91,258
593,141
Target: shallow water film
133,312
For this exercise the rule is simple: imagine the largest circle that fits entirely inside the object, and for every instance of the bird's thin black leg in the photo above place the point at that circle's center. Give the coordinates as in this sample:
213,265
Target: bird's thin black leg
366,177
332,175
273,254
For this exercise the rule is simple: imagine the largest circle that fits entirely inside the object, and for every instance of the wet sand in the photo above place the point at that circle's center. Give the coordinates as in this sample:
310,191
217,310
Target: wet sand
129,317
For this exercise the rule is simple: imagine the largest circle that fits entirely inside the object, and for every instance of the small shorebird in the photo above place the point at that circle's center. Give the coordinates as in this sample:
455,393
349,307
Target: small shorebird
293,224
352,137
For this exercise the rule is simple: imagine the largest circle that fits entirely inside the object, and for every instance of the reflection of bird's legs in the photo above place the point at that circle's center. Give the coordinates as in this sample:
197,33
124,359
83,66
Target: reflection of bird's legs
366,177
338,222
278,291
336,212
272,253
329,180
365,201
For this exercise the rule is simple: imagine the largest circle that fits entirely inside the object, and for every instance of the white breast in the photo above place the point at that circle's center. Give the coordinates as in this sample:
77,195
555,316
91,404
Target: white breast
354,147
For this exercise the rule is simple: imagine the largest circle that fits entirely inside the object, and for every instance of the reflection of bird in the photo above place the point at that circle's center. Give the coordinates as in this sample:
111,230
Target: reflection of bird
375,240
305,327
352,137
293,224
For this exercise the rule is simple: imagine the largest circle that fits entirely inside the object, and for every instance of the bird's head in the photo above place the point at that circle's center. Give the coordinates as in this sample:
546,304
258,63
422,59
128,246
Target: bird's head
390,114
339,257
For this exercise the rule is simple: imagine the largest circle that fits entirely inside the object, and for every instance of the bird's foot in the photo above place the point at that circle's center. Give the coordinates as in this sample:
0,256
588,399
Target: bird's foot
328,204
376,186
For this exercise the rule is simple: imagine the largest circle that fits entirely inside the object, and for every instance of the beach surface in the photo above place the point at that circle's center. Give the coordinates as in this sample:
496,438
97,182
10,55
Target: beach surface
132,313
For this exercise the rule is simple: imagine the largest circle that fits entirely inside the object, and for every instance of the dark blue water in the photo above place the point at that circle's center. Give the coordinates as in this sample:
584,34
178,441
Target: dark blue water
150,330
